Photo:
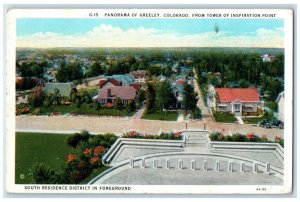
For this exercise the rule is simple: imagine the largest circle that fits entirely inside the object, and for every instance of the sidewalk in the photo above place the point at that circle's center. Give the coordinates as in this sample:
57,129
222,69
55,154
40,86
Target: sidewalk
240,120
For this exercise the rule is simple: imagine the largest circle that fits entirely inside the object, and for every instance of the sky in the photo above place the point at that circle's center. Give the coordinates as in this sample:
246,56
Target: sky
149,32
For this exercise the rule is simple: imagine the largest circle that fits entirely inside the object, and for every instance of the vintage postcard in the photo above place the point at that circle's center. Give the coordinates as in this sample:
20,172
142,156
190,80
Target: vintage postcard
160,101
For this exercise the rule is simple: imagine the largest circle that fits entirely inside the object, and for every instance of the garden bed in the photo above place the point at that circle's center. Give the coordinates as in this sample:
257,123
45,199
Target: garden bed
162,136
250,137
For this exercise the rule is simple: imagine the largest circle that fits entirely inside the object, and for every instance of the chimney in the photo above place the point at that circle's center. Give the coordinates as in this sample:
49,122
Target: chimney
108,92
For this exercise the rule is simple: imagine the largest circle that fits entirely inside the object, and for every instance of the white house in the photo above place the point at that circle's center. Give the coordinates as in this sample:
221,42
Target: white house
280,102
237,100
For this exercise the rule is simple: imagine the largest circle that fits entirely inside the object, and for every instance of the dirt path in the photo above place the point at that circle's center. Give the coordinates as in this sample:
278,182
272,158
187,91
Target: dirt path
120,125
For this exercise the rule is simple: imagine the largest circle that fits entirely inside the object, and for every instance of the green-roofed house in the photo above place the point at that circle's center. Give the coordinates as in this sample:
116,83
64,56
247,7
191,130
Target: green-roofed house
64,88
178,92
125,79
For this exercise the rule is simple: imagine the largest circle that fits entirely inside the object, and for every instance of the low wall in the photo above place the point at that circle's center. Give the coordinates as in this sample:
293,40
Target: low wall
249,146
140,142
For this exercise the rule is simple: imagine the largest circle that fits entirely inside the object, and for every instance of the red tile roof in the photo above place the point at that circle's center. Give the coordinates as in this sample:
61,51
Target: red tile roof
111,80
242,94
136,86
180,81
123,92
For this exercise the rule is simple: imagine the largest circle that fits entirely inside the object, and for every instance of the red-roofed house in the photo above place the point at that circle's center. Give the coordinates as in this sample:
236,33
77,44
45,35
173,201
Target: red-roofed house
108,94
237,100
139,76
109,82
136,86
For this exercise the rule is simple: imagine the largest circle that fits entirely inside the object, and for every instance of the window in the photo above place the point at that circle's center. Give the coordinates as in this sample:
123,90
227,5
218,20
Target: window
236,107
222,107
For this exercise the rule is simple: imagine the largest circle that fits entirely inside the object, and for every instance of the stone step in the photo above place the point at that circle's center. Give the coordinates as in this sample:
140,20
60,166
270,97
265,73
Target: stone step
198,141
196,145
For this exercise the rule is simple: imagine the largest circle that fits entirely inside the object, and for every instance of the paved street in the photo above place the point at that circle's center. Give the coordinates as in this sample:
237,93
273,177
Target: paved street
120,125
200,103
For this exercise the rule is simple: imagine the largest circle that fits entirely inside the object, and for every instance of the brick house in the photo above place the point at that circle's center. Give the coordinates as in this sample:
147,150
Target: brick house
237,100
108,94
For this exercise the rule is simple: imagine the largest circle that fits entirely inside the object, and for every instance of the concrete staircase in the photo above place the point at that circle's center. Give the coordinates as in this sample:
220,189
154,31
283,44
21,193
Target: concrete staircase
197,139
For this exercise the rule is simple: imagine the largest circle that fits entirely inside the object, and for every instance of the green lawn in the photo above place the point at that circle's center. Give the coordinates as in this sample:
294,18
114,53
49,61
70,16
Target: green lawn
50,149
31,148
85,109
224,117
255,120
157,115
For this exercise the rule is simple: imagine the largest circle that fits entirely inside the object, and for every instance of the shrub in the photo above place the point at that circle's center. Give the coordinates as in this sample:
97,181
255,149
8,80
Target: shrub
36,111
77,137
131,106
249,137
36,98
42,174
197,114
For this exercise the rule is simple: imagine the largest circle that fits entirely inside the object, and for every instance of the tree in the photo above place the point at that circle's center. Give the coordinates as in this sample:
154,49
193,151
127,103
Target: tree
118,103
131,106
165,98
150,95
141,97
242,83
36,98
274,88
78,102
70,72
197,114
96,69
56,97
189,97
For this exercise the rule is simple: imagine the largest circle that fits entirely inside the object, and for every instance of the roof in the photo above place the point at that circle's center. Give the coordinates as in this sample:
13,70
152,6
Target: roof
123,92
111,80
136,86
180,81
241,94
48,76
125,79
64,88
178,87
140,73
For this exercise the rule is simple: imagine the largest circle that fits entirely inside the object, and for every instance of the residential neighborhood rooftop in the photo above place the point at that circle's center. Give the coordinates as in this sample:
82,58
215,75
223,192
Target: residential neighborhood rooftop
241,94
123,92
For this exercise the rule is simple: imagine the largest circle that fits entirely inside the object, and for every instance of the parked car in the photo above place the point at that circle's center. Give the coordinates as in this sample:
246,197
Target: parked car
271,123
277,123
264,123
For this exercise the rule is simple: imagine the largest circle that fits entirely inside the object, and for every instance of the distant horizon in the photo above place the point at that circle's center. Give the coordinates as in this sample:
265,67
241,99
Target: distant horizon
157,32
